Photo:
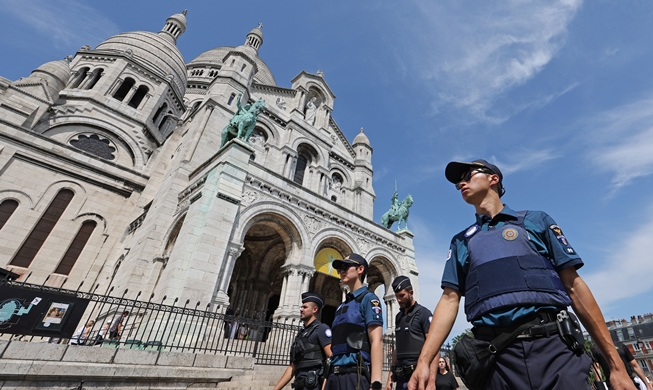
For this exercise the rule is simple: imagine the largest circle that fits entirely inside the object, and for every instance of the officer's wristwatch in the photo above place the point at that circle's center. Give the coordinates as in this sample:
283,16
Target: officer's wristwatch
376,385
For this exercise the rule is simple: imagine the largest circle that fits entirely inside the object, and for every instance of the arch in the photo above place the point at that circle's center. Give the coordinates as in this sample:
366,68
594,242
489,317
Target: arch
269,126
385,272
138,96
173,233
107,128
93,217
41,231
332,234
124,89
49,193
78,80
161,109
76,247
338,168
19,196
319,153
7,208
97,74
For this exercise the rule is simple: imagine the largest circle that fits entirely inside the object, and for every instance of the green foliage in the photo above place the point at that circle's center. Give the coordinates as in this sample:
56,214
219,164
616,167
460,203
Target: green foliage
456,339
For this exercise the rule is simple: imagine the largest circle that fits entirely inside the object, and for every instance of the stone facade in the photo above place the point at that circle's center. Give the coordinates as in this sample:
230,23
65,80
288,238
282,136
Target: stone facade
112,175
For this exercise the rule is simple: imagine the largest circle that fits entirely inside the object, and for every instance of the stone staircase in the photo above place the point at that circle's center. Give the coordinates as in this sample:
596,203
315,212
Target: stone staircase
261,378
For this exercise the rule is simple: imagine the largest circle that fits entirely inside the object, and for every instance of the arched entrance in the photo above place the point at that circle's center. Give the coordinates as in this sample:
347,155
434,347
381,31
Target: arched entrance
326,280
257,279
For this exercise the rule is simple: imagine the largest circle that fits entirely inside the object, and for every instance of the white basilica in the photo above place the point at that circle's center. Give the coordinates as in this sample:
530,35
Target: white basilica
111,174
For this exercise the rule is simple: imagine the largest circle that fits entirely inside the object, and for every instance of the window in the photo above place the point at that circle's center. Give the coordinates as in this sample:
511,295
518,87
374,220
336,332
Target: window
620,335
7,207
631,333
300,168
158,112
243,67
124,89
231,99
42,230
138,96
82,75
96,77
75,249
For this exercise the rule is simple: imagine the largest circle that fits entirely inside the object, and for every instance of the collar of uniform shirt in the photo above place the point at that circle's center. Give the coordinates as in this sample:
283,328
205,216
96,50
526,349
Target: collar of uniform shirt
505,214
355,294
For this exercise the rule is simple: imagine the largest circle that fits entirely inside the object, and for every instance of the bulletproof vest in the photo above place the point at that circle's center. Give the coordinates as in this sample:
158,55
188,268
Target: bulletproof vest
505,271
349,330
305,354
409,340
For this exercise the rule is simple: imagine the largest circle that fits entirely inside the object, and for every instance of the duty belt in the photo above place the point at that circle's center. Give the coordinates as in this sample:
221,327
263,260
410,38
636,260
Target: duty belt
548,327
405,371
345,369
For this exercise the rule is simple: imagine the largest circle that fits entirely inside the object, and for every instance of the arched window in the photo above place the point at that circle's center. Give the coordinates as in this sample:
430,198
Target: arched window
124,89
7,207
167,118
138,96
231,99
156,116
42,230
243,67
97,74
75,249
300,168
82,75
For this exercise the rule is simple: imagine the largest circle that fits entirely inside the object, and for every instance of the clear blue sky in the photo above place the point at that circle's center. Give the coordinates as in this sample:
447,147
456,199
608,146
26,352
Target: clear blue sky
559,94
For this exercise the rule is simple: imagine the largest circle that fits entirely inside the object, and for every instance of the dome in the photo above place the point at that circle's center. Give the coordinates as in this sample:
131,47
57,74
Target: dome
361,138
57,70
152,50
216,56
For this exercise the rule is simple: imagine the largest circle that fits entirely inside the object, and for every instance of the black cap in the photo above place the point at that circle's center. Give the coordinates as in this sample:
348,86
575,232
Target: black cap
400,283
313,297
455,171
353,258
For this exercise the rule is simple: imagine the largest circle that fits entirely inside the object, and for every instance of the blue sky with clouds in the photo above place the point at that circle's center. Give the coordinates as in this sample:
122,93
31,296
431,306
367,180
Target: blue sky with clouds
559,94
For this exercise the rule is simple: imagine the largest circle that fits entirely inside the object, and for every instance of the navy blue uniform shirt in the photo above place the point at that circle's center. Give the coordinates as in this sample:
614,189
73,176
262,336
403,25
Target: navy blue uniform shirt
544,235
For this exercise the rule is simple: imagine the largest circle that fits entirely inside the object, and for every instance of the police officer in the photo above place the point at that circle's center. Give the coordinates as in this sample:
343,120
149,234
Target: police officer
517,271
310,350
357,347
411,327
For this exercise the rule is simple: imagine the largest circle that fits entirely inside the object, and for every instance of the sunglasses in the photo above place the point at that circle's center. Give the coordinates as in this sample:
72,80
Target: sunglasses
469,174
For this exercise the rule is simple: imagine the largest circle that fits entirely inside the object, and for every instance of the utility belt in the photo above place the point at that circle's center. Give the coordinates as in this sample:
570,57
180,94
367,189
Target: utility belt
475,357
403,372
311,380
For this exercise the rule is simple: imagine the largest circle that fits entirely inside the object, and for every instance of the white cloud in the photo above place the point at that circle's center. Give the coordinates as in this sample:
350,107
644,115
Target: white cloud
525,159
69,23
629,264
621,142
474,51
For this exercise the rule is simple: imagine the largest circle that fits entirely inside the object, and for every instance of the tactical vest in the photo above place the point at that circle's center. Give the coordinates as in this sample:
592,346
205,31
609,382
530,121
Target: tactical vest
304,354
505,271
409,340
349,330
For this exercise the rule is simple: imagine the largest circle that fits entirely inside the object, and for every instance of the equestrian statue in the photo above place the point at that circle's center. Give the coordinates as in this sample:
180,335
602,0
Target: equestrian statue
242,124
398,212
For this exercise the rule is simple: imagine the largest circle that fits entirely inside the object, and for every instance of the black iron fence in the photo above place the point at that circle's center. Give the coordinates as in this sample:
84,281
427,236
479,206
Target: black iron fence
113,321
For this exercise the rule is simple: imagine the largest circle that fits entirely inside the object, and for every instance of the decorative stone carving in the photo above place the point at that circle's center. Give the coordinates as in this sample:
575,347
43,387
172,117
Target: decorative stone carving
250,197
95,145
281,103
364,245
313,224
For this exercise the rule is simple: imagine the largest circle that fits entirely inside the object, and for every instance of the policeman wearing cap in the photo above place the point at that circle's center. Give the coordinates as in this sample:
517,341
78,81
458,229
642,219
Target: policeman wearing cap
411,327
310,350
517,272
357,346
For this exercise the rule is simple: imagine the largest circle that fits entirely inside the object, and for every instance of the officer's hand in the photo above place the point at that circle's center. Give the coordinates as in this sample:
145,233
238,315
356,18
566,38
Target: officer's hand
431,383
420,377
621,381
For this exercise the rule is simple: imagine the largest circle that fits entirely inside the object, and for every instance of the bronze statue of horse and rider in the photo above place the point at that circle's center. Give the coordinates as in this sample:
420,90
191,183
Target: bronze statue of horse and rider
398,212
242,124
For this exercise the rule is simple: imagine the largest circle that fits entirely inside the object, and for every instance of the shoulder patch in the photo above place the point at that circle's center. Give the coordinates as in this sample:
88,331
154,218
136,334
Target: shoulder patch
449,255
375,302
471,231
563,240
430,318
327,332
376,306
556,229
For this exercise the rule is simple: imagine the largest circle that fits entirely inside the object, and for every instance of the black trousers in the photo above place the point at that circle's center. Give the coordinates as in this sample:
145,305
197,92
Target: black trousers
348,381
544,363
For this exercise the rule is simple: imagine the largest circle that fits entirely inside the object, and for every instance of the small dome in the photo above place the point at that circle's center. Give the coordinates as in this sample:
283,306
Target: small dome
215,57
361,138
257,31
175,26
59,70
153,51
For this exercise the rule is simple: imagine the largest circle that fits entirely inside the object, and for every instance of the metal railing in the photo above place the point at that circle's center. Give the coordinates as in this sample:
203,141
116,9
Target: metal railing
180,326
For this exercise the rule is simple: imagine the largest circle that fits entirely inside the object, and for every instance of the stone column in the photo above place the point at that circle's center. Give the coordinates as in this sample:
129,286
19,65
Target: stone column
129,95
233,253
391,307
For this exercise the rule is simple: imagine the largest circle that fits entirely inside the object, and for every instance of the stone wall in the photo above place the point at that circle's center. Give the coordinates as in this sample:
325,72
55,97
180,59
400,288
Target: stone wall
31,365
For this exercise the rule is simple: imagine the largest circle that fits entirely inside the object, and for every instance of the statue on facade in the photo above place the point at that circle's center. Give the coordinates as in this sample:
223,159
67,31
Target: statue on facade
398,212
242,124
311,108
